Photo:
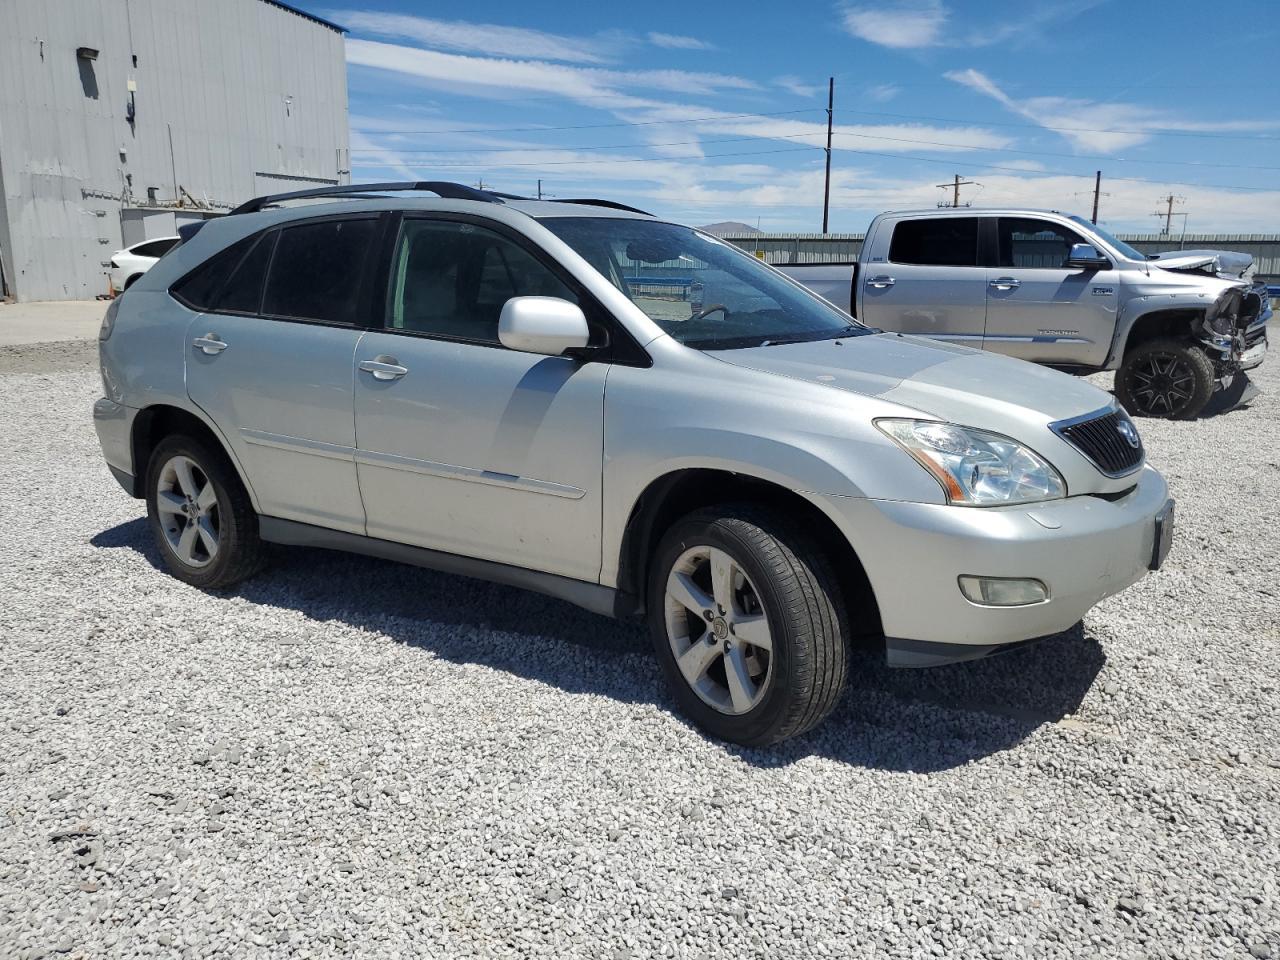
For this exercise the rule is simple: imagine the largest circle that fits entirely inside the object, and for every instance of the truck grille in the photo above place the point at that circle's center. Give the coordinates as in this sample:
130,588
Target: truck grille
1104,439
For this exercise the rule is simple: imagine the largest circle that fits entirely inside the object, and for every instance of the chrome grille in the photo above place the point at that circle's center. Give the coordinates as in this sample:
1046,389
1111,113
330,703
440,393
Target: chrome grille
1098,436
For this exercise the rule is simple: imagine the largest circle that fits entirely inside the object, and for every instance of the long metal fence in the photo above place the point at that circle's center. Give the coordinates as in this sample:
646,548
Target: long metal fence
786,248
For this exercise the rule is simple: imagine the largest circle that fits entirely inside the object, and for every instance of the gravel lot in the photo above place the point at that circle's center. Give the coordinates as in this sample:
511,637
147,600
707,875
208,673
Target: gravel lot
347,757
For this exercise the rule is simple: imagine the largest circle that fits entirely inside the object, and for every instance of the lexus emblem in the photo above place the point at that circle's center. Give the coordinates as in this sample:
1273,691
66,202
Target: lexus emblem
1129,432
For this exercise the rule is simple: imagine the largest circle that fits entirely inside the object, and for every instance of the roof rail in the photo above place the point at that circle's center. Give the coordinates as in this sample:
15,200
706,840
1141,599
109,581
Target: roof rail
441,188
586,202
612,204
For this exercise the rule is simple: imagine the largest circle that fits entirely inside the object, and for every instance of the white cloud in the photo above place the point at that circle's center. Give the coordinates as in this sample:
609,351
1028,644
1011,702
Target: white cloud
486,76
674,41
904,25
487,38
797,86
916,24
1096,126
882,93
693,190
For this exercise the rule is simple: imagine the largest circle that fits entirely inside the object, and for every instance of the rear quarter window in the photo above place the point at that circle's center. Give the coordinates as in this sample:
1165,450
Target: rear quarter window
200,288
938,242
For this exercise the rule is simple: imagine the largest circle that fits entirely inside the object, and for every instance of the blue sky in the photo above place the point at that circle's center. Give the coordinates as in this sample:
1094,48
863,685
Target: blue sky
716,110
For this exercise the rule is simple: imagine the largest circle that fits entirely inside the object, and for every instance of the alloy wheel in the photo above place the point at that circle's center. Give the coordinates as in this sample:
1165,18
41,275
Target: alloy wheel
718,630
187,504
1162,384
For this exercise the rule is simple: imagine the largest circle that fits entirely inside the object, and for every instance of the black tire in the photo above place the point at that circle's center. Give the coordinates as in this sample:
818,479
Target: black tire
1172,379
239,552
791,577
129,283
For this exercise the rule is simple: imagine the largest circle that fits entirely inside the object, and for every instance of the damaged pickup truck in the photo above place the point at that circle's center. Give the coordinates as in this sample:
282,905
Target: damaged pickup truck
1056,289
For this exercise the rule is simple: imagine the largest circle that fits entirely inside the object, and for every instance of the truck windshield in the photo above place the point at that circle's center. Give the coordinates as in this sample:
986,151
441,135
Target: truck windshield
702,291
1120,246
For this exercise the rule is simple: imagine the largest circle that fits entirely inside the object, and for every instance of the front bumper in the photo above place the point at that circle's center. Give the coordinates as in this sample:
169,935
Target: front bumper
1253,353
1084,548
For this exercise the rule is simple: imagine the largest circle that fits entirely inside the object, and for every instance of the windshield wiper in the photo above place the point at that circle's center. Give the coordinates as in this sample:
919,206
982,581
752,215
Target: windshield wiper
845,331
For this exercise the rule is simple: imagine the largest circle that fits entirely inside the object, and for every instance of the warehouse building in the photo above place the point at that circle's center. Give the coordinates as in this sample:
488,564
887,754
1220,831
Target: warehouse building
122,119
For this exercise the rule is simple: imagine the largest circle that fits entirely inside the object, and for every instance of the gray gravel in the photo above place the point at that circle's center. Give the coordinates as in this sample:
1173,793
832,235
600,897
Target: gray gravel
349,757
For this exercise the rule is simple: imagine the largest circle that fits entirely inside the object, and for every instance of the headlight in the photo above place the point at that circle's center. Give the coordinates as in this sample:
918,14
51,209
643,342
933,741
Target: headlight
977,468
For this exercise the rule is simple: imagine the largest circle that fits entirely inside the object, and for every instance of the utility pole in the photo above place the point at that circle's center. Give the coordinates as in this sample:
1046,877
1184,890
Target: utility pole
955,185
539,189
1097,192
826,187
1168,213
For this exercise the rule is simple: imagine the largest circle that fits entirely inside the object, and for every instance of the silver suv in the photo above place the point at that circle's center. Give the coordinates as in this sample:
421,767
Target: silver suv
577,398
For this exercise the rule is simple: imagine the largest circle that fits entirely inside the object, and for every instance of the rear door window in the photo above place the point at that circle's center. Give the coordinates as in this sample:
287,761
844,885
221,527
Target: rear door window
936,242
317,269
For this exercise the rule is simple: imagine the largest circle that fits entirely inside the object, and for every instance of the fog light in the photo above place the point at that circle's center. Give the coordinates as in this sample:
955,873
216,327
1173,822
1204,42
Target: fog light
1003,591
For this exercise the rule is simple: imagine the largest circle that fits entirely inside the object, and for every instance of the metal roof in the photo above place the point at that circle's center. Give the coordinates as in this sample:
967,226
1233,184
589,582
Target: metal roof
309,16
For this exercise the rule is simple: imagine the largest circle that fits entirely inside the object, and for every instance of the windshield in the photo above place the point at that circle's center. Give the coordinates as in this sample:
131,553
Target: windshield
1123,248
702,291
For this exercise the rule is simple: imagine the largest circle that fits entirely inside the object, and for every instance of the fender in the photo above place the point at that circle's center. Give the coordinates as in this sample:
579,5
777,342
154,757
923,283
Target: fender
142,419
1134,310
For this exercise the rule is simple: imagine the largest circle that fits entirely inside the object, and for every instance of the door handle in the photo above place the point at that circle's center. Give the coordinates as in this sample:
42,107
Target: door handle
881,282
384,367
210,344
1006,283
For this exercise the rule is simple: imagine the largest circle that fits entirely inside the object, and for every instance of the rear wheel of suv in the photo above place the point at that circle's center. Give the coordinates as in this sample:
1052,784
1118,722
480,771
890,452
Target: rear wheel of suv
200,514
748,624
1165,378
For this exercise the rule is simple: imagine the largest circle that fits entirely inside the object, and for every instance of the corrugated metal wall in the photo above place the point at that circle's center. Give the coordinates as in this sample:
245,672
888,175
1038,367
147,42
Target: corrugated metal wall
227,92
844,247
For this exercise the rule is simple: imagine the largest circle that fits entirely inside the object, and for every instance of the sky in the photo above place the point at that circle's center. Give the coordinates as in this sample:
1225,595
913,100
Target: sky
714,111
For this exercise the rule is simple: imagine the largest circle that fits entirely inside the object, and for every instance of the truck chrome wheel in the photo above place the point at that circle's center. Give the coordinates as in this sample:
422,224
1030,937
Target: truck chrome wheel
187,504
718,630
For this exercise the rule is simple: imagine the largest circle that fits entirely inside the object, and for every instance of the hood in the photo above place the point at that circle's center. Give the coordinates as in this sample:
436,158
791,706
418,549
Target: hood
950,382
1212,262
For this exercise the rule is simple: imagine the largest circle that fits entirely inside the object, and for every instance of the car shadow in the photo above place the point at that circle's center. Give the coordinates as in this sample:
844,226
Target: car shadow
1227,400
900,720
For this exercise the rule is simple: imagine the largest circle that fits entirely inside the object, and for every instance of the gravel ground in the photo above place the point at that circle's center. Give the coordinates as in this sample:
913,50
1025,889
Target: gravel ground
346,757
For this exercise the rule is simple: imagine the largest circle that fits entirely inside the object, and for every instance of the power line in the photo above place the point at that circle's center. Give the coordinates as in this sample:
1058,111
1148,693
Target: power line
838,133
1156,132
870,153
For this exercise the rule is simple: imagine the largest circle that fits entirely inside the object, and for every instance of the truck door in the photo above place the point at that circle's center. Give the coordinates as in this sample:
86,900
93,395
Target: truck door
1038,307
930,283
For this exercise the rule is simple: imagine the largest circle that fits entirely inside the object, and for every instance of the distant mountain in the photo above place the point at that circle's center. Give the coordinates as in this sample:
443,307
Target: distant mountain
728,226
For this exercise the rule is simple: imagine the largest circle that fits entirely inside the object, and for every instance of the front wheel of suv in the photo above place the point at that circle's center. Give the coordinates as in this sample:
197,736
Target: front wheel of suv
200,514
747,621
1166,378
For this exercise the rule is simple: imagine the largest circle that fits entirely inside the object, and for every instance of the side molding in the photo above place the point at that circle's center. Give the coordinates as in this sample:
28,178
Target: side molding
590,596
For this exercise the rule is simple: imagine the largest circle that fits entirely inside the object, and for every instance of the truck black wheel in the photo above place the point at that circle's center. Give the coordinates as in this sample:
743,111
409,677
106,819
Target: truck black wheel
1166,378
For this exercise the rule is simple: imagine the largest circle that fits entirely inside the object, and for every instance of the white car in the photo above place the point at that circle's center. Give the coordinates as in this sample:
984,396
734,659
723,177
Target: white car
129,264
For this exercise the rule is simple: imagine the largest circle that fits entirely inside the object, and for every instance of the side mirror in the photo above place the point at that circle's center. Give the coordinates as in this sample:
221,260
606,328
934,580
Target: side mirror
545,325
1087,255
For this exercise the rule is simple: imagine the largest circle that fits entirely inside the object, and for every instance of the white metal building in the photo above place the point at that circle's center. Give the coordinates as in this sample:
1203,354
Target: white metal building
121,119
